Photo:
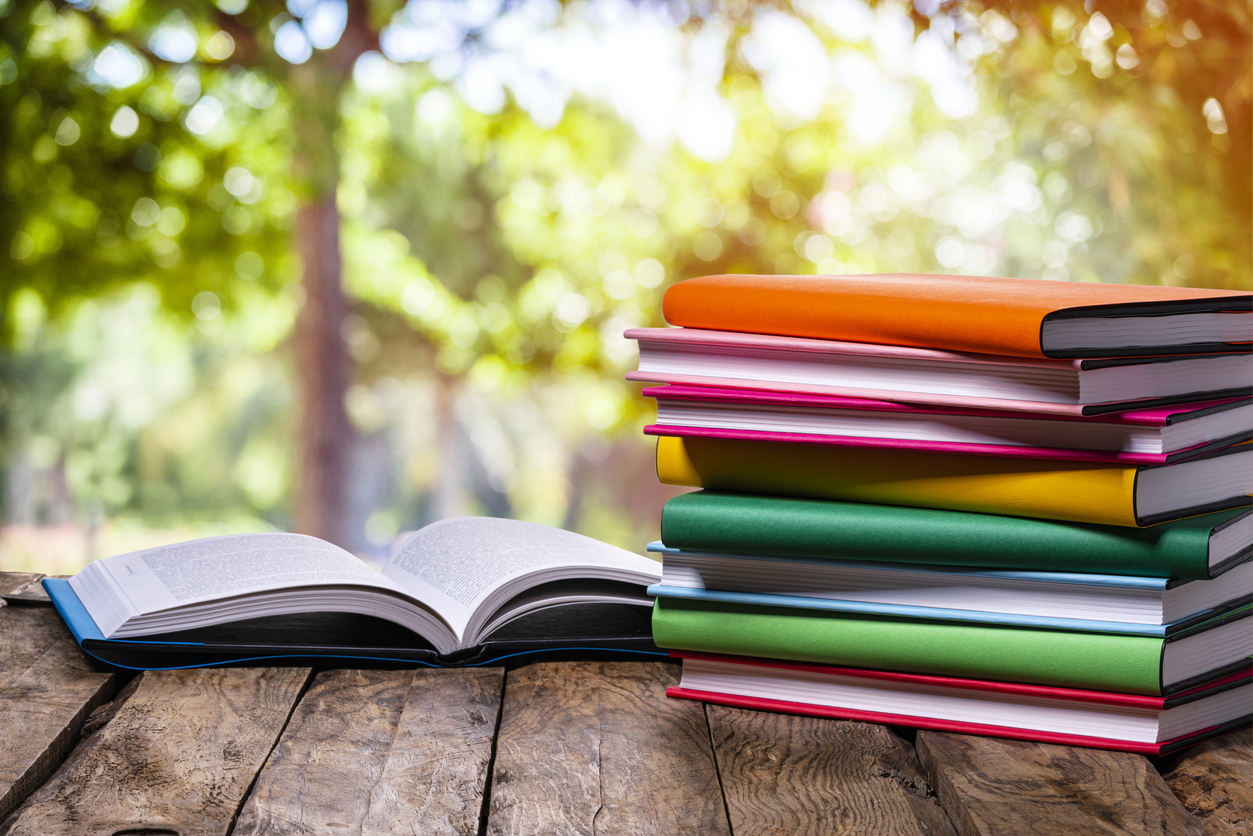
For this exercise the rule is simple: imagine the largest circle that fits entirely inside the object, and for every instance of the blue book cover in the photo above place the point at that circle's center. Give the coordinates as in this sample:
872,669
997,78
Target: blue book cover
914,576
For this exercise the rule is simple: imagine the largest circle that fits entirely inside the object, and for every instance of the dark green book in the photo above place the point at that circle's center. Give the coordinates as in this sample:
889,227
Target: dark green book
1196,548
1094,661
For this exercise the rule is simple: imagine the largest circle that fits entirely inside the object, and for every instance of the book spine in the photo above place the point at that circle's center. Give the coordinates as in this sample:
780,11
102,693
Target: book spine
1090,661
1071,491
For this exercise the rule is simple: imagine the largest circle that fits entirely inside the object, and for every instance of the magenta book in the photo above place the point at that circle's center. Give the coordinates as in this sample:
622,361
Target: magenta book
1159,435
925,376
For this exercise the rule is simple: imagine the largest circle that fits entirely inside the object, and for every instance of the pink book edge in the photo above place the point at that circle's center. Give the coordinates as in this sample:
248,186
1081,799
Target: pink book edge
1000,450
732,339
1155,417
870,394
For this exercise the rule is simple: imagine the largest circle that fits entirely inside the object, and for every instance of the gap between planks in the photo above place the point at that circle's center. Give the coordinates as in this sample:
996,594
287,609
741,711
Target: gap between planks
177,756
376,752
596,747
788,774
47,691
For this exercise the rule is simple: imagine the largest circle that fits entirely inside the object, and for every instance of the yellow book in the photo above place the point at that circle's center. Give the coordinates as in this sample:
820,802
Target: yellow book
1021,487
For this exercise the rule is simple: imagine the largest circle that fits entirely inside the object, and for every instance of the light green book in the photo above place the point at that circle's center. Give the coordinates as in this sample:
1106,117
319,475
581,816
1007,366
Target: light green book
1195,548
1092,661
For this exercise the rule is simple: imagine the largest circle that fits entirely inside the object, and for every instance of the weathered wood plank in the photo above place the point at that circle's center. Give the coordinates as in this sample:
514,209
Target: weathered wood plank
26,633
29,592
993,786
1215,782
593,747
373,752
47,689
784,775
11,582
178,756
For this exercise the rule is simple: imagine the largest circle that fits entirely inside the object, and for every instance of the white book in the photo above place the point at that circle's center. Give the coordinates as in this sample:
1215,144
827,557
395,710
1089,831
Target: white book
1149,725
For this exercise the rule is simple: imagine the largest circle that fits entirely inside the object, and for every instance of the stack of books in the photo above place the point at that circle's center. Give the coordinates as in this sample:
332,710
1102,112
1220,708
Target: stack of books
994,506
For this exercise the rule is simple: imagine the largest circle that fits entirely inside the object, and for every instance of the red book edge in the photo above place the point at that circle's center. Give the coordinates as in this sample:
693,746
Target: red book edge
936,725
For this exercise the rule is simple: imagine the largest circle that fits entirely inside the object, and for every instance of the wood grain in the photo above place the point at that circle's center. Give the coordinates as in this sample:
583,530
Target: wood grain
1215,782
784,775
993,786
26,633
177,757
373,752
11,582
47,690
594,747
31,592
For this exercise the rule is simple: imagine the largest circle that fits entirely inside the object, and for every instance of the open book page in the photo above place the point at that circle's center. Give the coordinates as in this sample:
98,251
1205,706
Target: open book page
457,565
557,593
117,588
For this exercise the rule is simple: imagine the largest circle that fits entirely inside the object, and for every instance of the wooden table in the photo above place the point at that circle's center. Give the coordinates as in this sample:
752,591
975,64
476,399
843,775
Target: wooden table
547,748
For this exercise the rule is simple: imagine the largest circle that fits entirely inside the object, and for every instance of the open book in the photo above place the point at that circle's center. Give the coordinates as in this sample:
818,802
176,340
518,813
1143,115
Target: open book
450,587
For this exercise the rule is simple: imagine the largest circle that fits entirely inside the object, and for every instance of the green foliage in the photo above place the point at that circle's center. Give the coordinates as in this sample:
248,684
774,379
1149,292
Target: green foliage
143,233
1146,115
103,187
119,410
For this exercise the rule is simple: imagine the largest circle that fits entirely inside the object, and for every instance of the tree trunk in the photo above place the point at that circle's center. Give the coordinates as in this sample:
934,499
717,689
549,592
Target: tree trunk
451,484
323,369
323,365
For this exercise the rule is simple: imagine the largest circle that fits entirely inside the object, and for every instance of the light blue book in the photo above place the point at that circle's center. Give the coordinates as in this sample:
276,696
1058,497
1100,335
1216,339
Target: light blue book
1049,600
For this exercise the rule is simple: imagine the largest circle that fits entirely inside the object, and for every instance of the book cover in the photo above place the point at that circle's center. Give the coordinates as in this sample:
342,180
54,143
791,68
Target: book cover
1194,548
987,315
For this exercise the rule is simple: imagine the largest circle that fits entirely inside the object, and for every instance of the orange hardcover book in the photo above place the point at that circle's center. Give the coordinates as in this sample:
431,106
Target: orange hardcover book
988,315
